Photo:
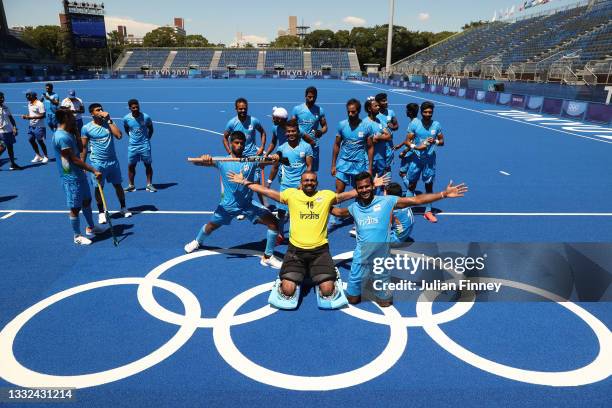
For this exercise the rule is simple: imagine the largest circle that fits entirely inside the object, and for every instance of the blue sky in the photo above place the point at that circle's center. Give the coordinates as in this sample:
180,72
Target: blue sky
259,21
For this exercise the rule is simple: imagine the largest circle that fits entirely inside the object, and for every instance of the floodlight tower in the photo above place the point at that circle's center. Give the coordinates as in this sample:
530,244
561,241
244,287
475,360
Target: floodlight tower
390,35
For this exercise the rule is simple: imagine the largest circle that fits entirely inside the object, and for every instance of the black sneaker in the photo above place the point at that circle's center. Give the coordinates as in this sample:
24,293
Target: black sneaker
15,166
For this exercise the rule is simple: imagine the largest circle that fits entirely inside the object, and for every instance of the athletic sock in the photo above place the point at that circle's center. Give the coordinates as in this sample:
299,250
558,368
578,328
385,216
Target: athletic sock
282,219
428,207
270,242
202,235
88,216
76,225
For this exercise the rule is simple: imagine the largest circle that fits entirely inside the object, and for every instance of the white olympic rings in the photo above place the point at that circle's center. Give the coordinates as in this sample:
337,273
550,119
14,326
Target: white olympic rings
12,371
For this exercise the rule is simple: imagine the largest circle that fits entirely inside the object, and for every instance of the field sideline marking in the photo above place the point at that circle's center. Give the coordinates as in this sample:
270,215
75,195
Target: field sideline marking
454,214
9,215
488,114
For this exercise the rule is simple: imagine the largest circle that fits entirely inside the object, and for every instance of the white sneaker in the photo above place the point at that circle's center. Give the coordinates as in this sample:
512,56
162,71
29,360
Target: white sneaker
36,159
101,218
272,262
240,217
95,231
192,246
353,233
125,213
45,160
81,240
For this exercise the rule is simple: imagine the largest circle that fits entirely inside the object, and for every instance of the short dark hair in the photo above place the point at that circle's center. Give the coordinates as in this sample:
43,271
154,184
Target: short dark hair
412,110
362,176
1,93
241,100
49,84
381,96
292,123
427,105
394,189
368,104
312,90
237,135
94,106
355,102
133,102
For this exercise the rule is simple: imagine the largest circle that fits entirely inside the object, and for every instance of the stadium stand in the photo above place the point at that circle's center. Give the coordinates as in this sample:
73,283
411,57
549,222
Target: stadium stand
133,60
18,60
570,45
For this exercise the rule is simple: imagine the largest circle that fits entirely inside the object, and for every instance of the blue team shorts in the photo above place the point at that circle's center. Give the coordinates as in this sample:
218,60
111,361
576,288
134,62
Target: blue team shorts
380,167
253,211
423,167
111,172
38,133
79,124
51,121
360,270
8,138
142,155
76,191
346,171
315,156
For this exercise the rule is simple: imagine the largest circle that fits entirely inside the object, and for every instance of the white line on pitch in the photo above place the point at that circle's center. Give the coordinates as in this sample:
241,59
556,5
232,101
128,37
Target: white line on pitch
489,114
459,214
9,215
504,173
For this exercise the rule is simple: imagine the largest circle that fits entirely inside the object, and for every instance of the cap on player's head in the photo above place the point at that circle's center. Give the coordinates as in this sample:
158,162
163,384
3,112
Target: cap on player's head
72,93
394,189
381,97
237,135
279,112
94,106
30,94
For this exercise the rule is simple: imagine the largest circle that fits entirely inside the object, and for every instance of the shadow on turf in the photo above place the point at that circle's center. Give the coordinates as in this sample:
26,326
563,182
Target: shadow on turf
138,209
161,186
7,198
119,230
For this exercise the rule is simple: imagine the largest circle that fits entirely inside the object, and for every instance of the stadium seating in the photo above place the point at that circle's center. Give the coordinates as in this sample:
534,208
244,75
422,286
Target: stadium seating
573,37
241,58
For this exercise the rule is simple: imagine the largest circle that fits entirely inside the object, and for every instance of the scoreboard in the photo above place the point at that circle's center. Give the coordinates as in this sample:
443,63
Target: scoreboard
85,23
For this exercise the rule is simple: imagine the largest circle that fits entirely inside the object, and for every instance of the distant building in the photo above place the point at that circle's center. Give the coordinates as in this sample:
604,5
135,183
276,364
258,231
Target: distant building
179,22
122,32
292,25
17,31
131,40
282,32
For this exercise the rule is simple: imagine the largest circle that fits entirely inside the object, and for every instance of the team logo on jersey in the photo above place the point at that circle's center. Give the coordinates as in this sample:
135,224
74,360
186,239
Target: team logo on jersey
245,168
389,118
360,134
376,208
250,127
367,221
319,199
433,132
302,154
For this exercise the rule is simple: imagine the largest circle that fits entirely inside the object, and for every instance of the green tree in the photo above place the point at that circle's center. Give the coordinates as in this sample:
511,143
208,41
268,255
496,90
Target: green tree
196,40
343,39
50,39
473,24
321,39
286,41
116,44
163,37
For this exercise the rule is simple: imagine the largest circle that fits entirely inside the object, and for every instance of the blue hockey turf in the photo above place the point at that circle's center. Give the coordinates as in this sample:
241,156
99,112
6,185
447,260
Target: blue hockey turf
126,343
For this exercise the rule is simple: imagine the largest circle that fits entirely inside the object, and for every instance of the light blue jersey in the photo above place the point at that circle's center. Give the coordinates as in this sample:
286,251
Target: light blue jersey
280,133
249,127
236,196
402,223
386,118
373,221
49,107
63,140
309,119
353,147
101,143
138,132
380,148
421,133
291,175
